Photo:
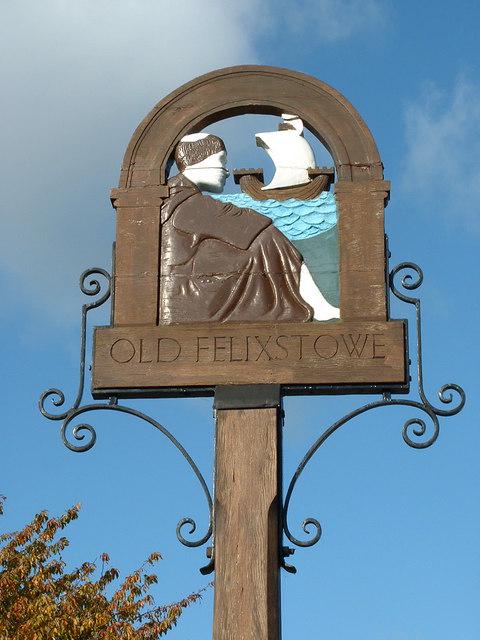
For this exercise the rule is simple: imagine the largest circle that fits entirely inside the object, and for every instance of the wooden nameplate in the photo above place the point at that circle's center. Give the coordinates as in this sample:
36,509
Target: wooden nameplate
336,353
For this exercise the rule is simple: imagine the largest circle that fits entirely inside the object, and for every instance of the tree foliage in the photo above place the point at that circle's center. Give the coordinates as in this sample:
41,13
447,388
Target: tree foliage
41,600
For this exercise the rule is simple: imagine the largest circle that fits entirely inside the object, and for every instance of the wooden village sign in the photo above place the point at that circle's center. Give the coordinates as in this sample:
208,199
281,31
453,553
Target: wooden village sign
280,289
190,324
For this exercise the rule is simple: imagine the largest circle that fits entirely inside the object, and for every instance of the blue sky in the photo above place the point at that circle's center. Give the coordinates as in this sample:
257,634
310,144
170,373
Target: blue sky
399,557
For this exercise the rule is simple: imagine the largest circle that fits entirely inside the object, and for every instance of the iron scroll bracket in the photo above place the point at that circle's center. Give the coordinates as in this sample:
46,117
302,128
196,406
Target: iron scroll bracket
96,282
415,432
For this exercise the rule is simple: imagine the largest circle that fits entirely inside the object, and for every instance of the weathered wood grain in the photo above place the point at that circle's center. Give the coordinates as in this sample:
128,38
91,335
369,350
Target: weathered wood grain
211,354
139,196
247,517
137,254
361,238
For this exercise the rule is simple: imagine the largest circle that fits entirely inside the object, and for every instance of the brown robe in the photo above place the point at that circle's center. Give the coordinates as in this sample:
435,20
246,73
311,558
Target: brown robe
221,263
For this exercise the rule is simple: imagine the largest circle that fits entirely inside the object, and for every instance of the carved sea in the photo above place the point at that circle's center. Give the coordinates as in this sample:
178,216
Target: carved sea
311,226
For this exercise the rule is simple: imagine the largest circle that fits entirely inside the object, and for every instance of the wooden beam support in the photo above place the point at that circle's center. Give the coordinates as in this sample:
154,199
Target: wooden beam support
248,507
137,254
361,236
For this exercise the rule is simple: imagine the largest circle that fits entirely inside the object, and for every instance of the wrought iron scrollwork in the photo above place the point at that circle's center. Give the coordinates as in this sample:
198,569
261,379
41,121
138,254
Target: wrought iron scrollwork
92,287
84,435
415,430
447,392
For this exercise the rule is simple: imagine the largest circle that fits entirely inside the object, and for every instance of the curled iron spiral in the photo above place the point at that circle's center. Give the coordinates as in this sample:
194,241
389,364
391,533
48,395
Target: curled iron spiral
415,431
92,287
447,392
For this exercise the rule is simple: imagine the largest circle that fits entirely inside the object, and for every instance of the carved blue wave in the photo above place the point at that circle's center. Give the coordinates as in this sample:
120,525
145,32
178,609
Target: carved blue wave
296,219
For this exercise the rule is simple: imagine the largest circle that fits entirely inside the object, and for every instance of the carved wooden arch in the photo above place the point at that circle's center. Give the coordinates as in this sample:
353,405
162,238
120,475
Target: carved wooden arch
360,190
251,89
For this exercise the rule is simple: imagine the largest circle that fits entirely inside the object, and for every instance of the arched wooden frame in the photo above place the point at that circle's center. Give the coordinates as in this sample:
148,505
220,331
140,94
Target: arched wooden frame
360,189
251,89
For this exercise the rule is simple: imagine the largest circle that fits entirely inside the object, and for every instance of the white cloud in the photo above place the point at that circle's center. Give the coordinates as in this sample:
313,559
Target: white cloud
443,150
333,20
77,77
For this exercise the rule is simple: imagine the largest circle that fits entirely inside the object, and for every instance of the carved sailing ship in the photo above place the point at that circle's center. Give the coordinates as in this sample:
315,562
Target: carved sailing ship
295,173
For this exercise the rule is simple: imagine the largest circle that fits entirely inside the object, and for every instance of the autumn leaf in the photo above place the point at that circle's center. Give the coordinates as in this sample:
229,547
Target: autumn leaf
40,599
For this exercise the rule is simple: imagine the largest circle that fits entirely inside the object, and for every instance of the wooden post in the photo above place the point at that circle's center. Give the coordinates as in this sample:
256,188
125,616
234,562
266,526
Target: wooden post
248,507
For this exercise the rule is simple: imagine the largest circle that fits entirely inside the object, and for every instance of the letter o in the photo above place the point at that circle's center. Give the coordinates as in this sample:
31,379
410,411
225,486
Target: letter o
124,353
333,347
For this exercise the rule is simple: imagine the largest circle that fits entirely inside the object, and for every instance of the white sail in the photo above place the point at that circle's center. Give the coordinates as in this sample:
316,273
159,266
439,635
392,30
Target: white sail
291,154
